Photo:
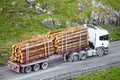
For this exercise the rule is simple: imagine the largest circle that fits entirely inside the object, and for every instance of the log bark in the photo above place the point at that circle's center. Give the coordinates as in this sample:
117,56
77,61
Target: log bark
33,58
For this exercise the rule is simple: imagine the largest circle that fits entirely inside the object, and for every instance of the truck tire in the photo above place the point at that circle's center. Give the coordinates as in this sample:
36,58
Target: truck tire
100,52
28,69
75,58
44,65
36,67
83,56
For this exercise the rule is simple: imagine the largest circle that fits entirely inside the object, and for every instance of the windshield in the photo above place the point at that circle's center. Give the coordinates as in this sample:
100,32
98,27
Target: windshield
104,37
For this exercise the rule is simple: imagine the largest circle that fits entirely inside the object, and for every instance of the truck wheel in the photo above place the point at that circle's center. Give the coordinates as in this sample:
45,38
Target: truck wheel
28,69
75,58
44,65
100,52
36,67
83,56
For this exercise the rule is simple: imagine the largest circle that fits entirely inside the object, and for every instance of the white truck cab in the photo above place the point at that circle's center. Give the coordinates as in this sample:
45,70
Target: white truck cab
98,40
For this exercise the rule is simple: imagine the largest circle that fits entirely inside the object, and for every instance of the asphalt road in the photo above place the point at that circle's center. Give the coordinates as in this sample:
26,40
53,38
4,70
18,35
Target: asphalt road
58,66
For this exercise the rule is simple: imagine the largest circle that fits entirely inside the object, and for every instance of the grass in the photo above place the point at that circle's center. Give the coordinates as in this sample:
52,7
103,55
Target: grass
15,28
115,34
109,74
114,3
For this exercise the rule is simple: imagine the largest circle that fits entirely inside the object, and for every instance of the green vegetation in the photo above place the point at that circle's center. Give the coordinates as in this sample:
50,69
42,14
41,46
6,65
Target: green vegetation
109,74
114,3
115,34
15,28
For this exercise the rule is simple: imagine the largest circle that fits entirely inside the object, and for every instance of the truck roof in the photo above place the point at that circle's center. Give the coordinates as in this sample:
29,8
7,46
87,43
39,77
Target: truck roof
96,29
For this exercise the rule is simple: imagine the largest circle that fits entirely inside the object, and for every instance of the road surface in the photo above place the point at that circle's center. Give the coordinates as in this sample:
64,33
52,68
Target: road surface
58,66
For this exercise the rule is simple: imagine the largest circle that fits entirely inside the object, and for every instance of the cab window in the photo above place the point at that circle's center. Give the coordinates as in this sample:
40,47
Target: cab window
104,37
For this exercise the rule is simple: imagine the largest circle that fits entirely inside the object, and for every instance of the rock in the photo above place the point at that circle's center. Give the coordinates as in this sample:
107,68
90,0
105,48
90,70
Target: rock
96,16
112,29
115,13
50,13
116,17
14,4
80,21
80,8
39,9
98,4
93,3
106,21
119,13
94,22
119,18
92,16
19,13
99,21
31,2
115,20
111,19
50,23
1,10
68,24
57,24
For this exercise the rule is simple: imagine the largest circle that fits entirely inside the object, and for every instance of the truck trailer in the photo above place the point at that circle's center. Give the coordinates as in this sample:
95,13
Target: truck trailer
73,44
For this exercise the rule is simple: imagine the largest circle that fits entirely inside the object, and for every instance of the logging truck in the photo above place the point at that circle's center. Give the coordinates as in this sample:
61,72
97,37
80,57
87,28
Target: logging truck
73,44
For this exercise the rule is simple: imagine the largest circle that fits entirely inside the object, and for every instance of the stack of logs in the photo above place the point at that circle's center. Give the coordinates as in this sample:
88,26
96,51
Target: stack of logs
29,50
71,39
59,42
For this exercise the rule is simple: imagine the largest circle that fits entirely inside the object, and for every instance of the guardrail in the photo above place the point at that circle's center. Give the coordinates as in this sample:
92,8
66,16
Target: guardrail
84,71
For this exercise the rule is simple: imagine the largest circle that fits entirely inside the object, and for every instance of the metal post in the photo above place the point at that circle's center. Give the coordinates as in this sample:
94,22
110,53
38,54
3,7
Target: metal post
27,52
62,44
66,42
48,48
80,42
45,48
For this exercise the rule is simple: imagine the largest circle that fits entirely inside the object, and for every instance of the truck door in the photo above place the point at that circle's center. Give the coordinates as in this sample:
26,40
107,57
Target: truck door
103,41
